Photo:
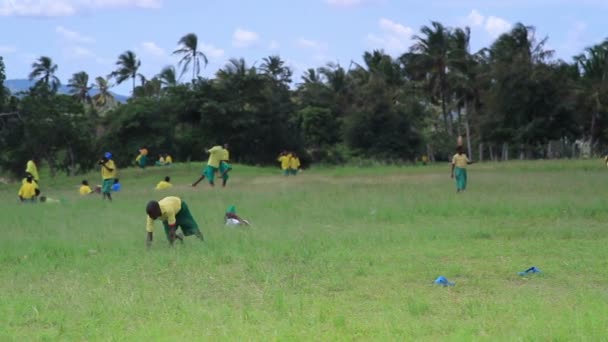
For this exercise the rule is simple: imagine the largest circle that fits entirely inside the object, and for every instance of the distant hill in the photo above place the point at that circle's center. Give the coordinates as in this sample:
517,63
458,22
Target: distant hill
20,85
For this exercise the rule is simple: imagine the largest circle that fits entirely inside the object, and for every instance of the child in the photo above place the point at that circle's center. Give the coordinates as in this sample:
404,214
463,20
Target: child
116,186
284,160
294,164
459,168
142,158
160,161
85,189
108,175
174,213
213,165
27,192
225,167
232,219
164,184
168,160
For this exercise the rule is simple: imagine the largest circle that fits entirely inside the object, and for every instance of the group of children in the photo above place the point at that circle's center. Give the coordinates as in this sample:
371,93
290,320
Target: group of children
141,160
290,163
219,156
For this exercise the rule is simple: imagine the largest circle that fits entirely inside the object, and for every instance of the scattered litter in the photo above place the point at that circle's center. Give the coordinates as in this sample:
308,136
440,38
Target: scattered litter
530,270
443,281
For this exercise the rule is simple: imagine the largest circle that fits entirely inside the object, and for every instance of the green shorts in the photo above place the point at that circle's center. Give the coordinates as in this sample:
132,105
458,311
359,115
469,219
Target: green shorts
184,220
225,166
106,186
209,172
143,161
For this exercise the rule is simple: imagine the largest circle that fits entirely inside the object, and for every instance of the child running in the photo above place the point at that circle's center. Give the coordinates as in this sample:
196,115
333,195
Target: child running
225,167
174,213
213,164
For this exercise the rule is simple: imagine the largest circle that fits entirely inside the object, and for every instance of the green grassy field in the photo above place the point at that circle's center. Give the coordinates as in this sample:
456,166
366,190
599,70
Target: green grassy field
333,254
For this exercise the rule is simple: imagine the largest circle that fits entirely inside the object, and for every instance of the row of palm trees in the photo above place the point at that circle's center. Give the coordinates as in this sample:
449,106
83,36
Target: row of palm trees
128,65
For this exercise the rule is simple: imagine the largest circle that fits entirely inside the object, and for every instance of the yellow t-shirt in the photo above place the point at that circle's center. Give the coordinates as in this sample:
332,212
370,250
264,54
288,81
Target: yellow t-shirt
460,160
85,190
169,207
27,190
25,181
32,169
294,163
225,155
215,155
107,174
284,161
161,160
168,160
162,185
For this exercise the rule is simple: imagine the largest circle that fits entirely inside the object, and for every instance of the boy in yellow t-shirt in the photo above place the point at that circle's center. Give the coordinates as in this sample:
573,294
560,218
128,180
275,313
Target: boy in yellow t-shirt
459,169
213,165
108,174
27,192
225,167
294,164
164,184
284,159
168,159
174,213
85,189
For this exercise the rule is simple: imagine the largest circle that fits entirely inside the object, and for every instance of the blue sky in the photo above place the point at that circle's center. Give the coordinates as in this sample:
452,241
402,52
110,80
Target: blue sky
90,34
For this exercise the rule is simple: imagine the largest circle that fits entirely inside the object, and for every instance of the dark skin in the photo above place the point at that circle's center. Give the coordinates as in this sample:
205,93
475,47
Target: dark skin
200,179
103,163
460,152
154,214
226,171
236,217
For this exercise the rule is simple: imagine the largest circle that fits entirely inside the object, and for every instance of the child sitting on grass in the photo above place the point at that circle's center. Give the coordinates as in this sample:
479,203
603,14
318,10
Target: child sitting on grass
85,189
27,192
164,184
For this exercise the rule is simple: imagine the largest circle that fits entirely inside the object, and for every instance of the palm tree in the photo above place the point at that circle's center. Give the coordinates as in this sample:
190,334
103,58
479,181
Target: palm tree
44,70
128,66
104,96
79,86
168,76
190,54
433,48
275,68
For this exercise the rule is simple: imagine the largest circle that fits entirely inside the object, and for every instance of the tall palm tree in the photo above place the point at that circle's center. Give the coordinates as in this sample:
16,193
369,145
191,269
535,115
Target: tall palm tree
190,54
275,68
44,70
433,47
104,96
168,76
128,67
79,86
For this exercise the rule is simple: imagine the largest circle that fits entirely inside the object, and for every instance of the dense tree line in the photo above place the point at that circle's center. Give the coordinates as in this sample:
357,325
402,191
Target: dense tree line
509,100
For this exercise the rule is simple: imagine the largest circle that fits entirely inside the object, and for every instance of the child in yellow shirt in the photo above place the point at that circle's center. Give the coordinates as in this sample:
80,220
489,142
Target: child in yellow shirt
85,189
164,184
284,159
459,168
27,192
294,164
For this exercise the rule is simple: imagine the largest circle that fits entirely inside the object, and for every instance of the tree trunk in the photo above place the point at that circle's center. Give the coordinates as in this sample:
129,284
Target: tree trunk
468,133
429,152
458,124
505,151
592,130
522,152
492,152
480,152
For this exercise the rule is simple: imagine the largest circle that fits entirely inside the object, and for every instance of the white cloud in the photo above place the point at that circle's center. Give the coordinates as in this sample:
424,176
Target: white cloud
475,19
311,44
492,25
211,51
151,48
73,36
394,39
79,51
274,45
496,26
242,38
6,49
62,8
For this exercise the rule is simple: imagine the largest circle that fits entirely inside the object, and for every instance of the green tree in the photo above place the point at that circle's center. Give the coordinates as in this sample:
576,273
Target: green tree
128,67
104,97
168,76
43,69
191,55
79,86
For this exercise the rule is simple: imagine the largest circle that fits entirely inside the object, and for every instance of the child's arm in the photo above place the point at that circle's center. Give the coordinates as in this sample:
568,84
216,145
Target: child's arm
452,173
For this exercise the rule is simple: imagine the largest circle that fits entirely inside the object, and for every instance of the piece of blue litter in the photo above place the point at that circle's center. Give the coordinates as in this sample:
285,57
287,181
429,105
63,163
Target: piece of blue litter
443,281
530,270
